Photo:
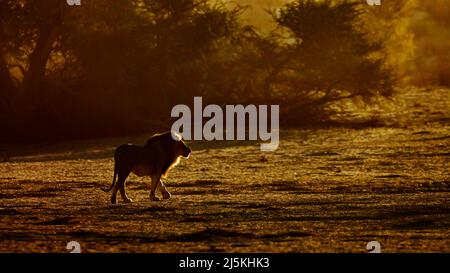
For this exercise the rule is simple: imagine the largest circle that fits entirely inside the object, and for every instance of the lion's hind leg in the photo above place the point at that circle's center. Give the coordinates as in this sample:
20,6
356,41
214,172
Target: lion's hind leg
162,188
125,198
123,174
155,182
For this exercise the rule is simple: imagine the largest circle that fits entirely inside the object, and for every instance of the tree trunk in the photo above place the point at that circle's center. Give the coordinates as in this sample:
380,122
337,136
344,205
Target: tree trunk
274,72
7,87
38,60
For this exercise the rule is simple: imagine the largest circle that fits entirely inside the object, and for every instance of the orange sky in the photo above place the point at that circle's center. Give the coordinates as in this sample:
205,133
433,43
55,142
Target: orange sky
257,15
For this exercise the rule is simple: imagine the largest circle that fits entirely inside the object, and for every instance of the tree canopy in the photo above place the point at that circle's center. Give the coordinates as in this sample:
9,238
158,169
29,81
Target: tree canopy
115,67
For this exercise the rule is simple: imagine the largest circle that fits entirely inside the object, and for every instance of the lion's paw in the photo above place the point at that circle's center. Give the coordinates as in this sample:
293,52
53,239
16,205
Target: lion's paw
154,198
128,200
166,195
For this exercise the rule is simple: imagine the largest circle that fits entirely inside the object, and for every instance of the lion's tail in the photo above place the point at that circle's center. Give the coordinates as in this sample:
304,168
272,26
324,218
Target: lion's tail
113,182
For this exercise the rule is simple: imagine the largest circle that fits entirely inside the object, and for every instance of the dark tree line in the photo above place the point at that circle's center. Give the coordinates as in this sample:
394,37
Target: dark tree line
117,67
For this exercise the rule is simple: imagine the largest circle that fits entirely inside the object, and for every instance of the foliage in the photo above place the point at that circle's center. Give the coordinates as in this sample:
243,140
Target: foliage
116,67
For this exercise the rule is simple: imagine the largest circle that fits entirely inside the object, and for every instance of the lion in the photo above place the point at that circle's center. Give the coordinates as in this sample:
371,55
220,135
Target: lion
161,153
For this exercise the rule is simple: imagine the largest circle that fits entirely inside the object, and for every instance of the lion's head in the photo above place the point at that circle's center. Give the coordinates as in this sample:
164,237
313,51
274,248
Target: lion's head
172,142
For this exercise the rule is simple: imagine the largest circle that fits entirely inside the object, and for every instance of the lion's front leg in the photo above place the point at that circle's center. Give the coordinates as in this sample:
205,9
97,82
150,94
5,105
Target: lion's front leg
155,182
165,193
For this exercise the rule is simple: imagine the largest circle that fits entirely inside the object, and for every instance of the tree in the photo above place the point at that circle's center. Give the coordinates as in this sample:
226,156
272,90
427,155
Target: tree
7,86
31,29
325,58
126,61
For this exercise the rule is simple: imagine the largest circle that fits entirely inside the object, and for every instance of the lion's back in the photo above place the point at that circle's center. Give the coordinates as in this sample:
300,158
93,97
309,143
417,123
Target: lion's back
130,153
133,155
155,157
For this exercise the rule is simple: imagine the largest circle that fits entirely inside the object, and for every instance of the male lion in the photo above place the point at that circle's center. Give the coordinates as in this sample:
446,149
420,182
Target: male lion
155,159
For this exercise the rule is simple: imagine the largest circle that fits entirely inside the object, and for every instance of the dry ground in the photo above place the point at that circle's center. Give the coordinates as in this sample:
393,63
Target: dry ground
323,190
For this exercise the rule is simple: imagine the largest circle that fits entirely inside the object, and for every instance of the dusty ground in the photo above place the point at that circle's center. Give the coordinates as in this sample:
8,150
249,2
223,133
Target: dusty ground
327,190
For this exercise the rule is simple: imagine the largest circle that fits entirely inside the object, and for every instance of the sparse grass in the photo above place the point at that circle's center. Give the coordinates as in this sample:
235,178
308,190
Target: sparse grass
323,190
